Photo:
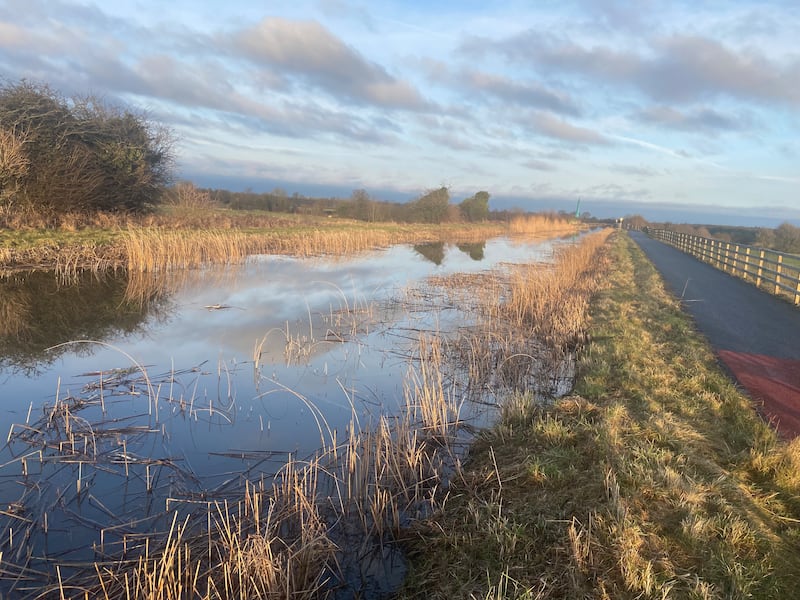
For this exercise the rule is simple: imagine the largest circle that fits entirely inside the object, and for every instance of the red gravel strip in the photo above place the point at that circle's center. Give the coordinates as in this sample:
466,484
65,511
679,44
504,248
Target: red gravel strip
772,382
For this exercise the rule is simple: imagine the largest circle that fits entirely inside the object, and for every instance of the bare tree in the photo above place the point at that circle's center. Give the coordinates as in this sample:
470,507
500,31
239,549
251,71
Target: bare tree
14,165
787,238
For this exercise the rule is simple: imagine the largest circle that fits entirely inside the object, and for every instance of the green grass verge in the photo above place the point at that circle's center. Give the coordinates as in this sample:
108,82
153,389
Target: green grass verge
656,478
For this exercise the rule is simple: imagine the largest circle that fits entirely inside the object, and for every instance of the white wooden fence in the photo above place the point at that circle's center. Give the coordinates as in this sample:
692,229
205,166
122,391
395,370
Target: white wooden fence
776,272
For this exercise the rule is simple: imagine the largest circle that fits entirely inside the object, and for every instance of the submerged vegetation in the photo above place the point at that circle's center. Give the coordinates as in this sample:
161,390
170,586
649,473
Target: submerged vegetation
655,478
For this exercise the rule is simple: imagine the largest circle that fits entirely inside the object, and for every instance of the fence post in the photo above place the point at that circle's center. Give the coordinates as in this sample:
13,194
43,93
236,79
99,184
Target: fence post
760,267
746,263
778,270
797,290
726,262
735,259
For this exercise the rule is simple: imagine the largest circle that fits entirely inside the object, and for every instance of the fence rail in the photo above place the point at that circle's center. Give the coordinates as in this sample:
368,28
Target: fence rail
775,272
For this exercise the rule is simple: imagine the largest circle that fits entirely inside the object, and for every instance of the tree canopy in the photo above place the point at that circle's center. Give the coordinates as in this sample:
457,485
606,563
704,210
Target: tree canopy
60,155
476,207
787,238
431,207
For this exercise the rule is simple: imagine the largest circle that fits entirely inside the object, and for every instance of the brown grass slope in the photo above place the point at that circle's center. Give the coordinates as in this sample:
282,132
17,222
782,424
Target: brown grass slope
655,479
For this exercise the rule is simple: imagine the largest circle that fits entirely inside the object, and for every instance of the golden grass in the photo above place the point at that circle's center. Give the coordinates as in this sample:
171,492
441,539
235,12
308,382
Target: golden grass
528,319
539,224
431,401
271,545
279,542
153,250
551,301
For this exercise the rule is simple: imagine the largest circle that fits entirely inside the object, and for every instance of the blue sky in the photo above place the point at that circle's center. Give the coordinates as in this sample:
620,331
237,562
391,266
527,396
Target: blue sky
648,104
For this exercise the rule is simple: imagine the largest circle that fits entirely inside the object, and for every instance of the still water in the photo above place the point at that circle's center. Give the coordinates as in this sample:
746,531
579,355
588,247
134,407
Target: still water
124,399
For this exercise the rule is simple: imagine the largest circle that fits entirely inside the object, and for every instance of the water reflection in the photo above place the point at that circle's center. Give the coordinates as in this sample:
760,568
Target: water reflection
37,313
474,251
433,252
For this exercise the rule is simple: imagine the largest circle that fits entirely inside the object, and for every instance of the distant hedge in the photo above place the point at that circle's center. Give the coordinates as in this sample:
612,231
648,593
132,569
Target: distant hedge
60,155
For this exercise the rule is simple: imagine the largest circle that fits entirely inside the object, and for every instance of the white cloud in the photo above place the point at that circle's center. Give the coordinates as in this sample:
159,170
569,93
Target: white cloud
307,50
554,127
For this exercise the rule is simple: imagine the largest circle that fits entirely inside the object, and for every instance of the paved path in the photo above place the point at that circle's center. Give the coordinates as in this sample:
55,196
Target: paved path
756,335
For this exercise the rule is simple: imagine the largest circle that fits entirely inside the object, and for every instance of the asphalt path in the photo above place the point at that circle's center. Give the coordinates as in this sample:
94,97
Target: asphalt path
755,334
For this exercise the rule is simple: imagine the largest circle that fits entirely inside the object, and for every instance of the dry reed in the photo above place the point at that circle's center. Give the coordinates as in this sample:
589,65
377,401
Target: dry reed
551,301
542,224
157,249
287,541
188,238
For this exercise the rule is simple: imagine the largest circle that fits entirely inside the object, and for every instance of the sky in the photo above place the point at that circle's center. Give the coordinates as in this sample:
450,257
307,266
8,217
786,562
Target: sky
656,107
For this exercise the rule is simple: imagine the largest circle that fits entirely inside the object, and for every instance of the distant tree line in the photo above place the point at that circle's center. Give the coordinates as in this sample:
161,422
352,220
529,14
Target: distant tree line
433,206
77,155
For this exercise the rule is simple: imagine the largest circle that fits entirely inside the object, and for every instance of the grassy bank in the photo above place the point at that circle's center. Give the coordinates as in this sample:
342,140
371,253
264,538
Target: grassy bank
654,479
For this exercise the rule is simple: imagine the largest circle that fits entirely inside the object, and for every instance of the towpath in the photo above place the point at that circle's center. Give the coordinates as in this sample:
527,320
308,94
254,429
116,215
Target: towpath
755,335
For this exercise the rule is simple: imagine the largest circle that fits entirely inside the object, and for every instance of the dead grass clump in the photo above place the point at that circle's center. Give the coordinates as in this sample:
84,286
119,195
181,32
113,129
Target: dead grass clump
271,544
430,401
552,301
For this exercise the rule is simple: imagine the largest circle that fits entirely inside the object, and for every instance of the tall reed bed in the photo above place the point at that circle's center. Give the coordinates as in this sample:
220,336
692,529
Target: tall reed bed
158,249
551,301
528,320
541,224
